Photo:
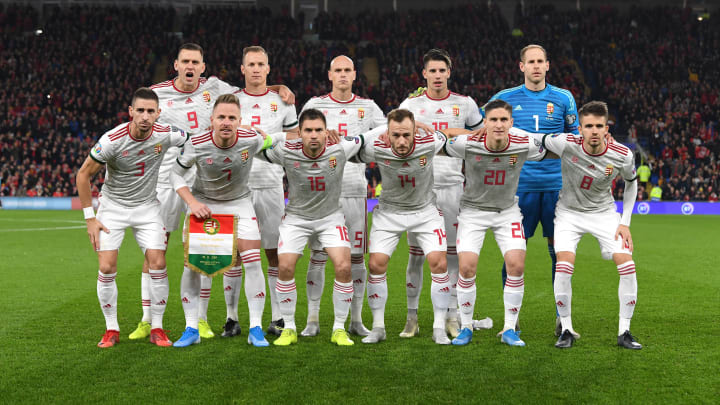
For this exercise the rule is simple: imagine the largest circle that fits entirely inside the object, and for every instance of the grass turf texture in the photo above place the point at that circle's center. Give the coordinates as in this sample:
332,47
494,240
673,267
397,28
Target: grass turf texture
51,322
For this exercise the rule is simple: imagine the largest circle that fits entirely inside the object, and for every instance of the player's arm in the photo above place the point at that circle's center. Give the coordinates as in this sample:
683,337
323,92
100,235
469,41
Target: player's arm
89,169
571,116
474,119
629,197
286,95
177,179
366,153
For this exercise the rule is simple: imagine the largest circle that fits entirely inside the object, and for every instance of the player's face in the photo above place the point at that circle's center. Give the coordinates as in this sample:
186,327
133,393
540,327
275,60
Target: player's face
225,121
535,65
313,133
144,113
255,68
189,65
436,73
594,129
402,136
498,122
342,74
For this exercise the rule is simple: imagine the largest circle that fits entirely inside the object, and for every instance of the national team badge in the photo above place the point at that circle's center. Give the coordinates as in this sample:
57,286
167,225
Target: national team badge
206,96
158,149
245,155
423,161
273,107
608,170
332,162
208,161
550,108
513,159
456,110
211,226
361,113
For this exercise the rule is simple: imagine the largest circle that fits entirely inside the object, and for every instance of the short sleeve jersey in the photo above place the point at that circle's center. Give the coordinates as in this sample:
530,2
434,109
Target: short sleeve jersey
587,178
551,110
222,173
314,184
453,111
492,176
132,164
407,181
350,118
187,110
268,112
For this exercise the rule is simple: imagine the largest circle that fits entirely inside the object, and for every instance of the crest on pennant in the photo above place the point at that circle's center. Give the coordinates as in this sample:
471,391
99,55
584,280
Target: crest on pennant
273,107
158,149
513,159
245,155
550,108
456,110
211,226
361,113
332,162
609,170
206,96
423,161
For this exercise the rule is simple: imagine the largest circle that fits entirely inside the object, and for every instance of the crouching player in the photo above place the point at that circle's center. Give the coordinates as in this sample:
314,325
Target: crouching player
586,205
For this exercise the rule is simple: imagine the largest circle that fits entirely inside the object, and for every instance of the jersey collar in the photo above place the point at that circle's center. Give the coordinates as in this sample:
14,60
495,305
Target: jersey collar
316,157
185,92
140,140
607,144
267,90
437,99
536,94
342,102
220,147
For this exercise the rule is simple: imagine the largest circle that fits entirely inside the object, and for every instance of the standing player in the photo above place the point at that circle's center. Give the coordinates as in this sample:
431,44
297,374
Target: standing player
263,108
586,205
350,115
492,166
132,154
406,204
223,157
540,108
315,170
441,108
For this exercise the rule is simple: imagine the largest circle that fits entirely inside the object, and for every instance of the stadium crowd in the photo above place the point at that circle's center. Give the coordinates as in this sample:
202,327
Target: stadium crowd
57,97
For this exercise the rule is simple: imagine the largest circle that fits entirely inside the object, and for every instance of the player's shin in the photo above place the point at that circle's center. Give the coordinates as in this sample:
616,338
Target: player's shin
232,284
414,280
272,275
205,288
512,300
342,298
453,272
287,301
315,283
466,293
377,291
254,286
107,293
440,297
627,294
159,290
359,276
145,296
563,293
190,296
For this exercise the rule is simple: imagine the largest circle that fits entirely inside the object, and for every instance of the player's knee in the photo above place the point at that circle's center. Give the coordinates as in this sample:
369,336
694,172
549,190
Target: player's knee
515,267
286,271
467,270
437,262
107,268
376,265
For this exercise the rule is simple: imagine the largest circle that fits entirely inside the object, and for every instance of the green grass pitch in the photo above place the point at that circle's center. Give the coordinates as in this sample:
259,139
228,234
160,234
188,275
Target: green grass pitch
51,322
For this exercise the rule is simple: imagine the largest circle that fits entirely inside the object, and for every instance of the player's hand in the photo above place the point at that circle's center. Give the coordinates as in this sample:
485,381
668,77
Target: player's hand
384,138
333,136
286,95
477,134
624,232
200,210
424,127
93,229
260,131
609,138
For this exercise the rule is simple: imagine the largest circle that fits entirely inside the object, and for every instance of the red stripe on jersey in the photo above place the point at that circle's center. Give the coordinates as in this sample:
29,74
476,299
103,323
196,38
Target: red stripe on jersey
519,139
161,128
619,149
120,133
166,83
196,140
424,141
245,133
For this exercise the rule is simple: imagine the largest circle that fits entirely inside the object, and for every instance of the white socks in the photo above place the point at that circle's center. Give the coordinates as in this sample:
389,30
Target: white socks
342,298
359,276
377,291
107,293
145,296
315,283
454,272
414,277
205,288
190,296
254,285
440,296
232,283
466,293
272,275
286,293
159,290
627,294
512,299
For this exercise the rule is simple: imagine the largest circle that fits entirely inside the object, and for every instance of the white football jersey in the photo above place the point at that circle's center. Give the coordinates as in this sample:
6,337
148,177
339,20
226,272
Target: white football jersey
189,111
587,178
350,118
453,111
268,112
132,165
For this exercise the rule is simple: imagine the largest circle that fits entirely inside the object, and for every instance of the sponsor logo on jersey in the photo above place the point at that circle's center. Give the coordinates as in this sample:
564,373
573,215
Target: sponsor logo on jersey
591,167
497,159
314,165
206,96
211,226
513,159
125,153
608,170
158,149
361,113
332,162
574,159
456,110
405,164
550,108
142,152
518,108
273,107
423,161
208,161
97,148
256,106
188,101
227,160
244,155
439,111
343,112
325,112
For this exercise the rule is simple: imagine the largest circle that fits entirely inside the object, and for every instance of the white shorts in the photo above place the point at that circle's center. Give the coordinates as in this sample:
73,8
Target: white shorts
425,226
144,220
269,206
171,208
247,224
506,226
355,211
295,232
571,226
448,202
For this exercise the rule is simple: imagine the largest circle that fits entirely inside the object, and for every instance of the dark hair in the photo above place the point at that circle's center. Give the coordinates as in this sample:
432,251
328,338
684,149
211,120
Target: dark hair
254,48
191,47
399,115
439,55
497,103
311,114
145,93
227,99
596,108
531,46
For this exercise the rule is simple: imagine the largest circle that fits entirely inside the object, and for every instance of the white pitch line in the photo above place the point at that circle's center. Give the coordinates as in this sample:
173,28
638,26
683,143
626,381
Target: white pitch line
70,221
57,228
